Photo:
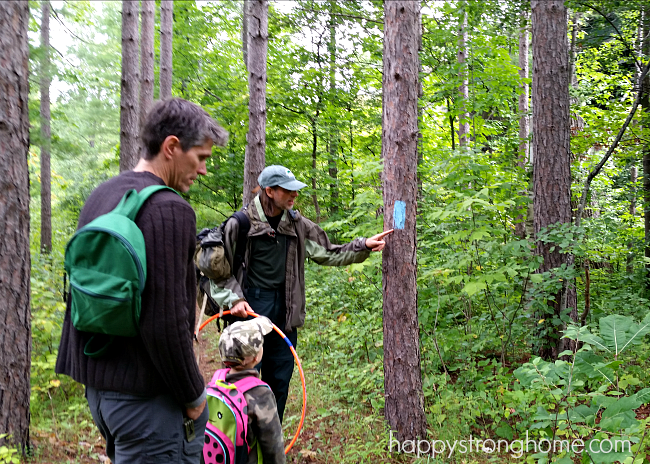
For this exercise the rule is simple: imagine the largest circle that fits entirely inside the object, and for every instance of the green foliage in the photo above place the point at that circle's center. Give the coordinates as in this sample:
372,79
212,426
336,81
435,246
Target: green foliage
8,455
591,396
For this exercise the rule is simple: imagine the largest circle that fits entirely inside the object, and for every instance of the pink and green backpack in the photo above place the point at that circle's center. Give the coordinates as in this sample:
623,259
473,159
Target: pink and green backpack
226,433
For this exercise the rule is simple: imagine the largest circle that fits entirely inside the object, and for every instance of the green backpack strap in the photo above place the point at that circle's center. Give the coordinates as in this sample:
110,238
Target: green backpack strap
132,200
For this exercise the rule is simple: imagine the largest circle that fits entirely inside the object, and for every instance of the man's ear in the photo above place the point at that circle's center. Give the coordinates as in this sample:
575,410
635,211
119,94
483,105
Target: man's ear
269,191
169,146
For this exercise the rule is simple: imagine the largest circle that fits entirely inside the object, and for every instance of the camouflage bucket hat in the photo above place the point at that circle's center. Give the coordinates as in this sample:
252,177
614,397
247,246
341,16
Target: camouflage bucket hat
243,339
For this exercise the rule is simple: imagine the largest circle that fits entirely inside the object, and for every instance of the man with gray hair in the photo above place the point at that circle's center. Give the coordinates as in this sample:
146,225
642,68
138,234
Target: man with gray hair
146,393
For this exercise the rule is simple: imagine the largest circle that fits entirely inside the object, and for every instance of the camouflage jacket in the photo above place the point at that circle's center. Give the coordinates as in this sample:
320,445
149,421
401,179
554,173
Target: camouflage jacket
263,421
305,240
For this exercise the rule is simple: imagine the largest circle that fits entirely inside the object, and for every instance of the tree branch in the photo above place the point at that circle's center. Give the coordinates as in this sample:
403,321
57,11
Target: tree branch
599,166
620,36
56,16
342,15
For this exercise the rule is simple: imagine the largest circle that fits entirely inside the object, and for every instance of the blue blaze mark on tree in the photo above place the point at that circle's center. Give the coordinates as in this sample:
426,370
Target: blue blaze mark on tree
399,215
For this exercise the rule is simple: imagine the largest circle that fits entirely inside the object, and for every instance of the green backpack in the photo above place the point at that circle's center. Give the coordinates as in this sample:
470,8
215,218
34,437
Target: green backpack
107,264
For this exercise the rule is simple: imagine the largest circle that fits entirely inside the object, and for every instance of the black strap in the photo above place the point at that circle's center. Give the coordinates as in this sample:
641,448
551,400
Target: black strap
242,237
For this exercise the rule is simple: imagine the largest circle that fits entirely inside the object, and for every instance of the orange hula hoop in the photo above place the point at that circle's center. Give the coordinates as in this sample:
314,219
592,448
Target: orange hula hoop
295,356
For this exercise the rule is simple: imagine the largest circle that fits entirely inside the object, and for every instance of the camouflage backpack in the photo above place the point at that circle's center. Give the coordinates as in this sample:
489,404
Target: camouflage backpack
210,255
226,433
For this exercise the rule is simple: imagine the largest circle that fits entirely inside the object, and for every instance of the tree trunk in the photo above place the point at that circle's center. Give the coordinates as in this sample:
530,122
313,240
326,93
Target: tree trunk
166,39
551,164
629,267
146,58
645,105
524,122
244,32
420,110
314,154
402,375
15,334
129,130
258,36
333,142
46,184
463,119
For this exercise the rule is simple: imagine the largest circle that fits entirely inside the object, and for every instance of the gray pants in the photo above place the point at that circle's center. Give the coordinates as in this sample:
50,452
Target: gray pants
144,430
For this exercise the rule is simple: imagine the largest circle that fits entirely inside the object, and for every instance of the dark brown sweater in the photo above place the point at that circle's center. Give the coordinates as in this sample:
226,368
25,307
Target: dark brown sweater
161,358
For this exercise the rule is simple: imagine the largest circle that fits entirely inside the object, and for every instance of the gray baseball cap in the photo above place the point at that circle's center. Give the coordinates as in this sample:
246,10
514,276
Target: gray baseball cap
279,176
243,339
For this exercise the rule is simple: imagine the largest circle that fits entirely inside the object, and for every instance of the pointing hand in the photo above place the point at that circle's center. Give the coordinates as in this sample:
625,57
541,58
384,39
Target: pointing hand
376,242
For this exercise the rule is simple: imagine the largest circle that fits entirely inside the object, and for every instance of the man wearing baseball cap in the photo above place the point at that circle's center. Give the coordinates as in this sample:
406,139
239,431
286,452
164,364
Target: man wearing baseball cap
271,281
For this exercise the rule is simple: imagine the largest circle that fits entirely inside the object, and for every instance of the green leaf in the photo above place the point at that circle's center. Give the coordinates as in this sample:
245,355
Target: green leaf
472,287
616,445
504,431
620,415
584,413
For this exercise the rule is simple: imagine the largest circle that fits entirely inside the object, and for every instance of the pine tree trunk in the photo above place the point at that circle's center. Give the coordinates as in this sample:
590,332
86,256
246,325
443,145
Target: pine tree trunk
166,38
258,36
629,267
129,104
404,407
333,142
146,58
15,334
463,119
524,122
314,154
551,164
46,184
645,105
244,32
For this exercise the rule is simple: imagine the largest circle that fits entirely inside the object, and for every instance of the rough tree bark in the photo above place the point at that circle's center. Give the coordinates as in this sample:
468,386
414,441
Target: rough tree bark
244,32
645,106
46,138
551,144
15,333
333,135
129,115
463,118
166,38
146,57
258,36
629,267
524,122
404,408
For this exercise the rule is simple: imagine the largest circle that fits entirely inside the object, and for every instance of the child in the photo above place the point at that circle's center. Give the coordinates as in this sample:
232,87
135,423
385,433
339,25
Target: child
241,348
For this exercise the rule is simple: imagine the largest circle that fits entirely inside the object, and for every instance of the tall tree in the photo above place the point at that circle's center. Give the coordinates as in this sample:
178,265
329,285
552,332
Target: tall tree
166,36
244,31
524,122
402,375
333,136
551,137
129,115
46,185
15,332
146,57
258,38
645,105
463,119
